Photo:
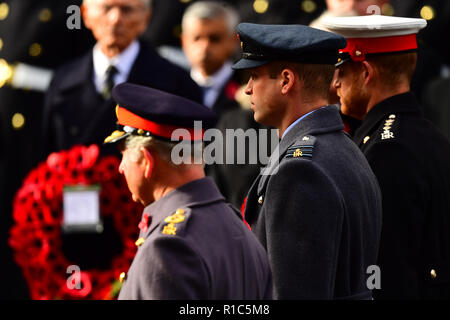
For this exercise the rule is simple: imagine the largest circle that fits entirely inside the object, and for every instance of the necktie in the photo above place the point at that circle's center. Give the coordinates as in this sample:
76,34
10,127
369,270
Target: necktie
109,81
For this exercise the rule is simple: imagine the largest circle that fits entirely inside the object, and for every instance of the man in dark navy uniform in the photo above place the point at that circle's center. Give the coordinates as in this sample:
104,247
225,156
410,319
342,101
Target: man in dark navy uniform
410,158
192,244
317,207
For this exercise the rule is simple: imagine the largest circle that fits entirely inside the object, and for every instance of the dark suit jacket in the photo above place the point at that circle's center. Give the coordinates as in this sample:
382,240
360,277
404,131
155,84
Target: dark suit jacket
318,212
233,180
207,252
411,160
76,114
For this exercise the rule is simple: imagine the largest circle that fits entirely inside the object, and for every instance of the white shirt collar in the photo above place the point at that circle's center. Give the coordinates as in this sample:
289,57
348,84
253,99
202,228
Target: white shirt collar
218,79
123,62
213,84
293,124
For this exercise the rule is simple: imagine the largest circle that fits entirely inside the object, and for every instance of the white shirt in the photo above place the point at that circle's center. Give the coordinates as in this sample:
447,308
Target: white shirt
213,84
123,62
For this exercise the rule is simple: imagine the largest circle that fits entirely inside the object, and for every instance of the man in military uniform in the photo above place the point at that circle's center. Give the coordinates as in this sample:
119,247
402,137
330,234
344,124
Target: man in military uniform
192,245
317,207
406,152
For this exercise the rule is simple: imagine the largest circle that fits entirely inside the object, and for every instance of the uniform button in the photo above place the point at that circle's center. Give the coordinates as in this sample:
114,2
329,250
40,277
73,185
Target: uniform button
309,6
305,138
260,6
4,11
260,200
122,277
366,139
35,50
427,13
433,274
45,15
392,116
18,121
358,53
139,242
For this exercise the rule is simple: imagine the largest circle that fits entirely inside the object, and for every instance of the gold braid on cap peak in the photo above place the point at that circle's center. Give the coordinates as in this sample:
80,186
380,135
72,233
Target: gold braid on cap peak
116,134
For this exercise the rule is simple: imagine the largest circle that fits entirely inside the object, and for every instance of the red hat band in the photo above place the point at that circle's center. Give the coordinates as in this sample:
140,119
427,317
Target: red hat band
358,48
127,118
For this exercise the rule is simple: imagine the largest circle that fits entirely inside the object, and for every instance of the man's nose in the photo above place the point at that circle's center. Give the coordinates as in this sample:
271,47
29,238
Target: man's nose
115,14
248,88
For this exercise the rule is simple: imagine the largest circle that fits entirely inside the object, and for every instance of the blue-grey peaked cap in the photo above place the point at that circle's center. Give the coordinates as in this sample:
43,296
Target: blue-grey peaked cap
263,43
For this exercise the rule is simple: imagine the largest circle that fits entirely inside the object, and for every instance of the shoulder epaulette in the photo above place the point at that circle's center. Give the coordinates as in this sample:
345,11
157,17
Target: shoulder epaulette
172,223
302,149
387,132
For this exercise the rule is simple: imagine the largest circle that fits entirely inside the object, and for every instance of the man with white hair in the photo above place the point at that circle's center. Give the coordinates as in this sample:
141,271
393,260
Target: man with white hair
78,107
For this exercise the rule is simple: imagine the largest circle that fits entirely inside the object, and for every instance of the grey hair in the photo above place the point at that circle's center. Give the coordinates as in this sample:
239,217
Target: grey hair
164,148
147,3
211,10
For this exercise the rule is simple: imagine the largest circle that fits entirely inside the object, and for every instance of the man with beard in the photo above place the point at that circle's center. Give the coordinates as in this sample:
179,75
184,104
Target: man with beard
406,152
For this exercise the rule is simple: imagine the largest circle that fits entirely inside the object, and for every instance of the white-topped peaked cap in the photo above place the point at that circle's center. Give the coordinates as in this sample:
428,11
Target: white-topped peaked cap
374,26
374,34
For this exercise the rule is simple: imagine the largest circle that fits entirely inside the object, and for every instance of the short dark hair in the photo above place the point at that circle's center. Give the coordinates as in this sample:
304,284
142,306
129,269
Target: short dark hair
316,78
394,68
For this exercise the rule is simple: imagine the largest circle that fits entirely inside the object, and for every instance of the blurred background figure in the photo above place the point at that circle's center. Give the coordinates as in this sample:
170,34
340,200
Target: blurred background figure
79,108
78,105
209,41
34,40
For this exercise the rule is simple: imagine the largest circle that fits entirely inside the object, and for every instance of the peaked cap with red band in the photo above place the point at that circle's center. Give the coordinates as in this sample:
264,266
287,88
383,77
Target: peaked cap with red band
149,112
375,35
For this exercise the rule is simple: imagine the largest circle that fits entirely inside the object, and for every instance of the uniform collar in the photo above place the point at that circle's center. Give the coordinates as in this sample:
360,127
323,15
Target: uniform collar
400,103
322,120
197,192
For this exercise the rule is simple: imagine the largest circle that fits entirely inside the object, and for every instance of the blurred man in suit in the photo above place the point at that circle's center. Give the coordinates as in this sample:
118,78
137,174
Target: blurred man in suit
209,42
78,107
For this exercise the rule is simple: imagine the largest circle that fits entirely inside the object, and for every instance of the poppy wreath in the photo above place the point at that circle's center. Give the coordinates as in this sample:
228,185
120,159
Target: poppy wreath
36,238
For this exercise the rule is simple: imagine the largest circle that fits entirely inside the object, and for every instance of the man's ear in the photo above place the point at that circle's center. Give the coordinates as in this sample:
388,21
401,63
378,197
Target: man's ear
148,162
368,72
287,80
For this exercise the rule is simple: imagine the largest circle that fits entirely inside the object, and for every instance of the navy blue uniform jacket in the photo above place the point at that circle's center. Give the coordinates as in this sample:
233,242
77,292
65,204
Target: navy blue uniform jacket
411,160
210,254
318,213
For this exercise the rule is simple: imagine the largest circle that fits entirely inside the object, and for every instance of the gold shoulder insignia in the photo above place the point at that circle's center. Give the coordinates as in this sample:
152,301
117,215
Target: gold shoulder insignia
387,133
175,218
